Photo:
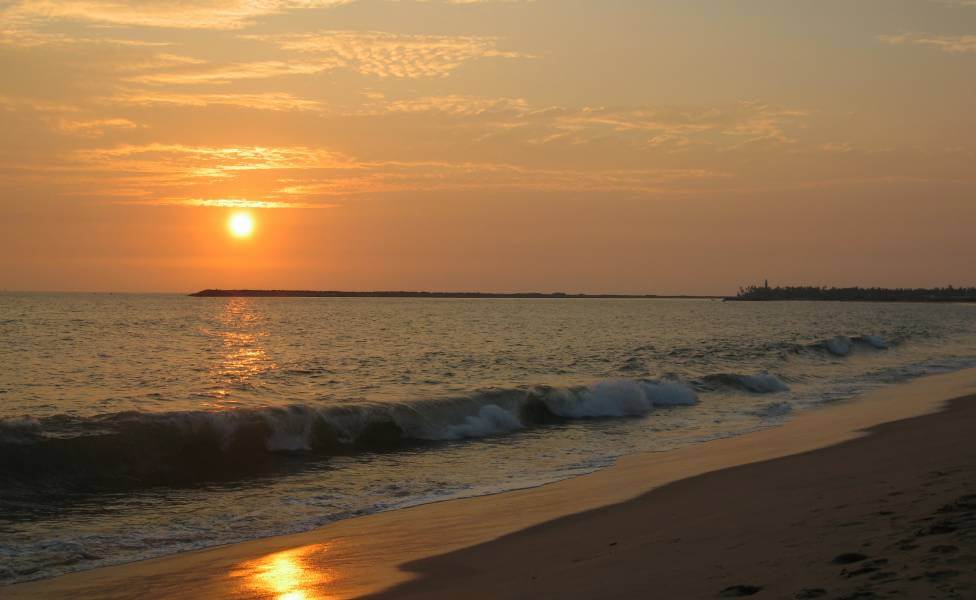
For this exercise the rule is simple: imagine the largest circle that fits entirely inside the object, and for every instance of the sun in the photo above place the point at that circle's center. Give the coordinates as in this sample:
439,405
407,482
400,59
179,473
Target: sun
241,225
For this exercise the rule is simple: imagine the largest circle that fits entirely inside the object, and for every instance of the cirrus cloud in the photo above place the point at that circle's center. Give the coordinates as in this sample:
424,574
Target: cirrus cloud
384,54
950,44
175,14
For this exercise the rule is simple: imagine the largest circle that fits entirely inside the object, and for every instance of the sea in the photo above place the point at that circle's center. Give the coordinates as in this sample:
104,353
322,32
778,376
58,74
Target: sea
136,426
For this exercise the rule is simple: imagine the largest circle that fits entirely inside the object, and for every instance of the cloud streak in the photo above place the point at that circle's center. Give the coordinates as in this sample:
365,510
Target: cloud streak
230,203
268,101
950,44
303,177
729,127
224,74
383,54
369,53
24,22
209,161
172,14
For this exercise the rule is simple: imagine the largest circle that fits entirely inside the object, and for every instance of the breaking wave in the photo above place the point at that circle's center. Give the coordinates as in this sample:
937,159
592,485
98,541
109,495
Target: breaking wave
761,383
875,341
618,398
843,346
840,346
138,449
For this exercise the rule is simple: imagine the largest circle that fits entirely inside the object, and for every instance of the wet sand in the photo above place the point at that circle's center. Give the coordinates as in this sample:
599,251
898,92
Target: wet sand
871,498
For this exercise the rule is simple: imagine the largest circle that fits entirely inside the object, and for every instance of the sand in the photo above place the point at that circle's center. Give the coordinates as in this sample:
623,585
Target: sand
833,504
889,515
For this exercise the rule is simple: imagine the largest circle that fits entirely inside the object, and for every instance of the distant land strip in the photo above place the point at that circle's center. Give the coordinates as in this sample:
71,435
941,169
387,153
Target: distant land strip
765,293
393,294
747,294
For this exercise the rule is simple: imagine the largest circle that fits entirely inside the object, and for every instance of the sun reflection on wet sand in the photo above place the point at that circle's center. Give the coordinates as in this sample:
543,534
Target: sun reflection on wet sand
287,575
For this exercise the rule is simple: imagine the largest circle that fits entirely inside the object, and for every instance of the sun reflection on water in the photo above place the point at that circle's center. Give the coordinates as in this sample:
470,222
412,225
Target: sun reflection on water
288,575
241,356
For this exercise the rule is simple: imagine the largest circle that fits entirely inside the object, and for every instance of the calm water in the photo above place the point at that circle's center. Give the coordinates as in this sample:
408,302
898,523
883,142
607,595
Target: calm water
136,426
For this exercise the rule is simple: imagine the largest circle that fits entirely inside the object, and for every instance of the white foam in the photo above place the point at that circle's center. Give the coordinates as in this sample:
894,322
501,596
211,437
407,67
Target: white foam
670,393
618,398
490,420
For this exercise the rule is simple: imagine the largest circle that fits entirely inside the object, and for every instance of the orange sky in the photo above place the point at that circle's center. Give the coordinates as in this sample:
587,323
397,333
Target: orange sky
668,146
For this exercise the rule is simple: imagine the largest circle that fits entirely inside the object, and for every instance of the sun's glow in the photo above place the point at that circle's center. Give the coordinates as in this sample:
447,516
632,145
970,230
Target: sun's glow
297,574
241,225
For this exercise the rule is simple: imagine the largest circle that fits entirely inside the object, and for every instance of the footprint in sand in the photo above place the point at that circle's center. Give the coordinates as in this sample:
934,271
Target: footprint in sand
848,558
738,591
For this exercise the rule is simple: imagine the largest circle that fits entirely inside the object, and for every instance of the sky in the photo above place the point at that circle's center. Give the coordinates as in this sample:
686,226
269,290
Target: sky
629,146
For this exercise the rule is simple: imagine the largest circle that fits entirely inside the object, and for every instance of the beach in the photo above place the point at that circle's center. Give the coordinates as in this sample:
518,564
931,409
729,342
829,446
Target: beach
487,299
865,498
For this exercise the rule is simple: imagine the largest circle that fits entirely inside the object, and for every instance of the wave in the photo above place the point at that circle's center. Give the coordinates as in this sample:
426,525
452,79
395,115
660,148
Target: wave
139,449
761,383
875,341
839,346
844,346
618,398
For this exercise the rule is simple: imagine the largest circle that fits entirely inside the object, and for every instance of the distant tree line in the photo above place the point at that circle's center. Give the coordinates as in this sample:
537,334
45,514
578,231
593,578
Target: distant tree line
857,294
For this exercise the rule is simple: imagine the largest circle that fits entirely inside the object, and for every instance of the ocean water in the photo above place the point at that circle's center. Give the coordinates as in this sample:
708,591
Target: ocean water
134,426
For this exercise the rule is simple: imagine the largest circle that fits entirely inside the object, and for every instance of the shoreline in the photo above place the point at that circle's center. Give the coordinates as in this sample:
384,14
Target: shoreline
888,514
367,554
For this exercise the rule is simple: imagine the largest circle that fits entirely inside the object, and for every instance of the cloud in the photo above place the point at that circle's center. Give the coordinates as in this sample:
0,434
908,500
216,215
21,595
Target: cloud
744,122
208,161
728,127
369,53
94,127
192,175
64,118
270,101
951,44
177,14
24,20
19,104
455,104
477,1
430,176
157,61
20,34
458,143
304,177
384,54
224,74
230,203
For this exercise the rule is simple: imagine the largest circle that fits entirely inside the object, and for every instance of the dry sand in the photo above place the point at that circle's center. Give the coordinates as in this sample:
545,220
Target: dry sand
810,509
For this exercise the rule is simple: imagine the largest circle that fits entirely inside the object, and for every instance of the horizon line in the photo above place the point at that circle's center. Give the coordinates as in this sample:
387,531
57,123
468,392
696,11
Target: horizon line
420,292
